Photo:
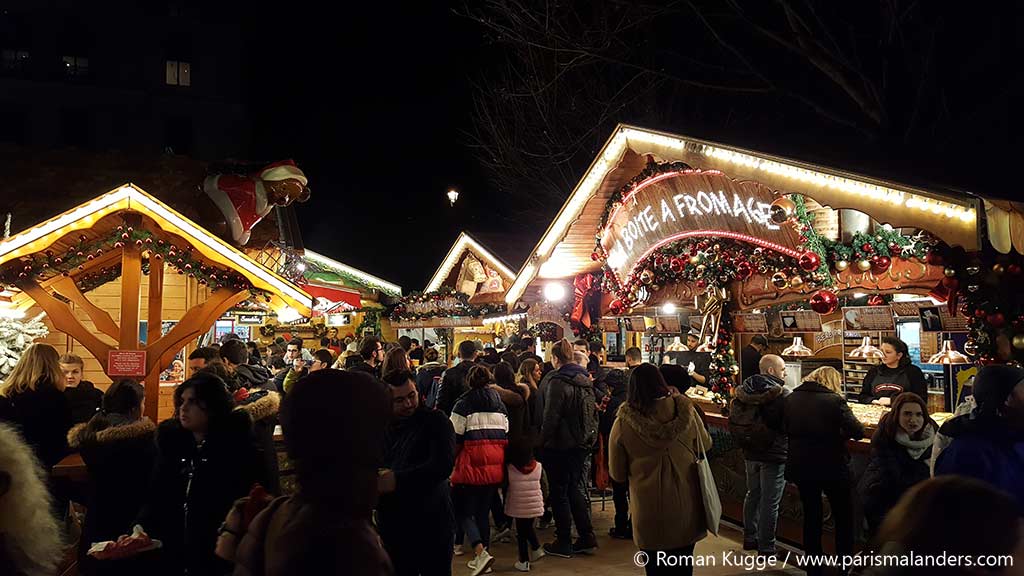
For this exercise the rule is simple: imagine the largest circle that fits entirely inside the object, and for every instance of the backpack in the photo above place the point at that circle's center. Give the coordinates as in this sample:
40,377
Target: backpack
582,401
748,428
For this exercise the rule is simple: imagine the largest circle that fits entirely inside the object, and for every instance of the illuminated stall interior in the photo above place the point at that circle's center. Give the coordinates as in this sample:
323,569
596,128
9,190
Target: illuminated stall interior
464,299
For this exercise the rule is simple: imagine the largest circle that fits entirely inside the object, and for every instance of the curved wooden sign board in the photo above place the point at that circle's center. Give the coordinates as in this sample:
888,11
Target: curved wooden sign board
690,203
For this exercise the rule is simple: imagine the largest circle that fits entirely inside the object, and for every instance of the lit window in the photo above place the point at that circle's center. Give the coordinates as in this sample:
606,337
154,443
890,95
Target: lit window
75,66
179,73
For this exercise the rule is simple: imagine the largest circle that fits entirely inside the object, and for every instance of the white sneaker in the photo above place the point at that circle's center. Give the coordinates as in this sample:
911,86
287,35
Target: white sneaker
502,534
458,550
481,563
522,566
537,554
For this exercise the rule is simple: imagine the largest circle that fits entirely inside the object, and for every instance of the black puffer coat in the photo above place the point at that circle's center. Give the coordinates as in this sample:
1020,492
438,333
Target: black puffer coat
193,488
757,412
570,410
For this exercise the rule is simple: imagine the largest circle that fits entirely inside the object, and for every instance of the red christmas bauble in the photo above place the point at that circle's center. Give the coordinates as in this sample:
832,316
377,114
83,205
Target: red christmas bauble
1014,269
867,248
824,302
723,380
996,320
702,284
677,265
595,256
979,313
810,261
744,270
880,263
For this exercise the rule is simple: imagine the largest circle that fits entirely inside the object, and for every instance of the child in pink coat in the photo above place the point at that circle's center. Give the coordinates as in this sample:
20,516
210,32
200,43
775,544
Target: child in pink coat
524,501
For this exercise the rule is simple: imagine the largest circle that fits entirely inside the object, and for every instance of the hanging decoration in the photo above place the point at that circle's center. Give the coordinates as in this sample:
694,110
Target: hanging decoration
586,306
546,331
445,302
824,302
181,259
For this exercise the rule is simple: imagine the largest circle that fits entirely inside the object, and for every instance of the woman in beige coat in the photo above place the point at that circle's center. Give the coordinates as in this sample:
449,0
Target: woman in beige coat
653,446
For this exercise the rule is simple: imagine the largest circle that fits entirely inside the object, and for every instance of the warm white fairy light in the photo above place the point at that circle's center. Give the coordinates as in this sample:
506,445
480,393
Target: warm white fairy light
502,319
624,135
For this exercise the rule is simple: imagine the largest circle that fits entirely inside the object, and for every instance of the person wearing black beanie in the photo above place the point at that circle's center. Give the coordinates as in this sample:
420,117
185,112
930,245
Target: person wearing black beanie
988,443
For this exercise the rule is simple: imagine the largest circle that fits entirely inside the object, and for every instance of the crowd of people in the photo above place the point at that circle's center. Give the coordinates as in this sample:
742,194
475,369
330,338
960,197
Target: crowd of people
403,462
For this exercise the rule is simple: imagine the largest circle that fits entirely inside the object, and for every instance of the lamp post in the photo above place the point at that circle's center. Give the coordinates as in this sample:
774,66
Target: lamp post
453,195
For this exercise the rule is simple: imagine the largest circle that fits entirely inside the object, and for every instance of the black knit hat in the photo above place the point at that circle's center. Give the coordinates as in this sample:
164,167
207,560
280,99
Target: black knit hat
993,385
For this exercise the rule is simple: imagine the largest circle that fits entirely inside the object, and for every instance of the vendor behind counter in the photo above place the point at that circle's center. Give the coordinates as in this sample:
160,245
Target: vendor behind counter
893,376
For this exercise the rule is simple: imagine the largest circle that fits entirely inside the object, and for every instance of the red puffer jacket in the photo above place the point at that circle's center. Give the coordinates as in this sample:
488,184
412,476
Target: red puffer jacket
481,433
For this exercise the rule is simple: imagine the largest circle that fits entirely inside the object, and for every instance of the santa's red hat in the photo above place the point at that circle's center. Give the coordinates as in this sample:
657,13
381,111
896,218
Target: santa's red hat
283,170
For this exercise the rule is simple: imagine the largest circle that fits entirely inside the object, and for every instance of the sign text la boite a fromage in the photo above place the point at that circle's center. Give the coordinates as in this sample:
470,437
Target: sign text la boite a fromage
682,204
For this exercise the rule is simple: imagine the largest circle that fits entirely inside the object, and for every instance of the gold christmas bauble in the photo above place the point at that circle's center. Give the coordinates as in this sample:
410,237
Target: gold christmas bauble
779,280
998,268
694,260
796,281
842,265
1018,341
949,272
734,369
864,265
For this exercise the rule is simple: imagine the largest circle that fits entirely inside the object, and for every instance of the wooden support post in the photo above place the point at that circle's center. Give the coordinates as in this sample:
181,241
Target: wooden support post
154,315
131,277
64,319
100,317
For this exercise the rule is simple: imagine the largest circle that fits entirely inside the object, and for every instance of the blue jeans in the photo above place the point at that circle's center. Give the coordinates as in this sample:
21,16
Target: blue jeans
765,483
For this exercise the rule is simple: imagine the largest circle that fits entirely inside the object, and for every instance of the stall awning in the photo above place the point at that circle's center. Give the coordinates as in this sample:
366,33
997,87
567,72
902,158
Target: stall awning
332,299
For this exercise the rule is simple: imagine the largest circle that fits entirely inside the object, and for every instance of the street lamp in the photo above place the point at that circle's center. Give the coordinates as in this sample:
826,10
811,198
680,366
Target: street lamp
453,195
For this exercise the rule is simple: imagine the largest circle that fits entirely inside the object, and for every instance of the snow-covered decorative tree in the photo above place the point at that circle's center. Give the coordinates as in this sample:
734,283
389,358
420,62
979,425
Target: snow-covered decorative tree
15,336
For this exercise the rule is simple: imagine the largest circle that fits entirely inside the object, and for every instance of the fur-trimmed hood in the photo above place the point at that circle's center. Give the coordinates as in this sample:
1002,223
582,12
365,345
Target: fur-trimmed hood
264,407
671,418
80,434
760,389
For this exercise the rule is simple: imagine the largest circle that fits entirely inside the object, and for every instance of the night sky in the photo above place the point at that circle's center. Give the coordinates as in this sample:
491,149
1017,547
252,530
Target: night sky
375,119
373,104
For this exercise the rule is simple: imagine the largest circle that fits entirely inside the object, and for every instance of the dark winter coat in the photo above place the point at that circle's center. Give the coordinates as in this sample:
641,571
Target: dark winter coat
618,387
425,377
570,410
194,487
891,471
818,422
85,400
120,460
481,434
985,447
364,366
252,376
43,417
758,410
262,407
884,382
420,450
453,386
515,407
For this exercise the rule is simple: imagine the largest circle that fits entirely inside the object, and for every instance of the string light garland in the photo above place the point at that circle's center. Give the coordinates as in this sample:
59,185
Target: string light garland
442,303
38,267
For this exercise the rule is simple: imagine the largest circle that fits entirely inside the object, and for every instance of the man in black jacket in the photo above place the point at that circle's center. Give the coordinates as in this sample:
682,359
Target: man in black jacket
415,515
750,357
755,422
372,353
235,356
453,382
569,433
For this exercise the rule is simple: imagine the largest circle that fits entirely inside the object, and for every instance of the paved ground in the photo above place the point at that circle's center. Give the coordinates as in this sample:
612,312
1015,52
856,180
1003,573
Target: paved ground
616,556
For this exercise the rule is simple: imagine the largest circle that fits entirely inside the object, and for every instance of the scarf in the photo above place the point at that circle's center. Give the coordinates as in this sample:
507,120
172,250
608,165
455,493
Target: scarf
916,447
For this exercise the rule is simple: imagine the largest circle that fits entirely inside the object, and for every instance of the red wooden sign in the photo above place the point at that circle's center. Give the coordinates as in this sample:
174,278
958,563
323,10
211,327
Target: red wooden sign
126,363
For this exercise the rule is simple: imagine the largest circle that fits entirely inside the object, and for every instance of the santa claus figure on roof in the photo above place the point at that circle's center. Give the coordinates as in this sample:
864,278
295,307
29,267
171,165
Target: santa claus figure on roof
244,200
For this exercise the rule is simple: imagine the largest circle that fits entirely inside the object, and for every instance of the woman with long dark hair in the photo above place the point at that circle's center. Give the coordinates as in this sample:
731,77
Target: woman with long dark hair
653,446
894,376
900,452
206,459
118,450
